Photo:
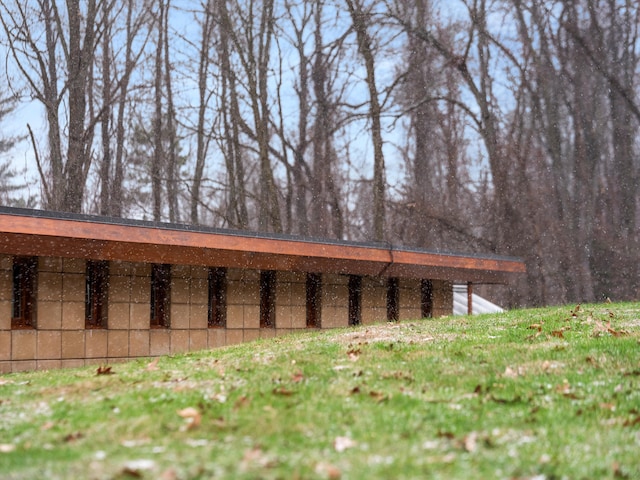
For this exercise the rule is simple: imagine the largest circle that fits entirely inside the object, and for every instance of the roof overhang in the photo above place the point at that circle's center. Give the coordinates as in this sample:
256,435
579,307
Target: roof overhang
35,232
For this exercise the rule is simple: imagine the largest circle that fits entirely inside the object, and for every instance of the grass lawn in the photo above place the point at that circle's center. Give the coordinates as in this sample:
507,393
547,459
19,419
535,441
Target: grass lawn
531,394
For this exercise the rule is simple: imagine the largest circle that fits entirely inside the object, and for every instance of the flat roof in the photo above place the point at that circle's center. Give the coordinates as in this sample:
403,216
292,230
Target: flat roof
45,233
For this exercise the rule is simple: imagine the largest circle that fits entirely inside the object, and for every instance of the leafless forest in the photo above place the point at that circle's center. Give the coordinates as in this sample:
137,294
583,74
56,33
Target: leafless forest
504,126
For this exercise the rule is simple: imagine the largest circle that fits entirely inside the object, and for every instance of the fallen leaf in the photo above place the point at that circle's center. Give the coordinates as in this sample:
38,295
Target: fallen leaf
608,406
340,444
470,442
354,354
297,377
134,468
632,422
282,391
192,417
106,370
72,437
327,470
47,426
536,326
378,396
256,456
153,365
243,401
169,474
510,373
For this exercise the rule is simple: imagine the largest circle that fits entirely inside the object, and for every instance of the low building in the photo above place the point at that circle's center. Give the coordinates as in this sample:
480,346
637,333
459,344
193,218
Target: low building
79,289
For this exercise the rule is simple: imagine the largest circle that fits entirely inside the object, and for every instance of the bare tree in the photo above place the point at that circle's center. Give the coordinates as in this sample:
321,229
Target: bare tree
361,18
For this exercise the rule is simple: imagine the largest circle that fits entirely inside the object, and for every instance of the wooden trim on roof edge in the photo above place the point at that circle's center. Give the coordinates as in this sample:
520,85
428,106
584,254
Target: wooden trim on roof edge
35,232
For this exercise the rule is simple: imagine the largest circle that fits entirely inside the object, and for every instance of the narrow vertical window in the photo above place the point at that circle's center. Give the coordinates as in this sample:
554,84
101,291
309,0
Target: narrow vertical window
160,295
96,294
25,270
355,300
268,299
314,299
217,298
393,299
426,298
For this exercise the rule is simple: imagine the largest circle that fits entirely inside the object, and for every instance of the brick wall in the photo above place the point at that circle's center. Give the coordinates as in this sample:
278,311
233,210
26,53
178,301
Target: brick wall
60,338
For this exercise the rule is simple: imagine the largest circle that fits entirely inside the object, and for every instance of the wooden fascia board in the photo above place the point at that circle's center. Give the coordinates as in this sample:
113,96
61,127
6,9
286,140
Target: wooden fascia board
26,235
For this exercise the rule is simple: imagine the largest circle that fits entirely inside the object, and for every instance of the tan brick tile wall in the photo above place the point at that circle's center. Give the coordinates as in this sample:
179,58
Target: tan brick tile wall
198,316
119,316
180,290
179,315
117,343
179,341
251,334
49,315
6,285
23,345
159,342
49,287
5,367
48,364
5,314
6,262
73,287
299,317
119,288
267,333
234,337
139,343
217,337
49,345
5,346
140,316
252,316
49,264
72,344
198,339
141,290
73,315
96,343
24,366
74,265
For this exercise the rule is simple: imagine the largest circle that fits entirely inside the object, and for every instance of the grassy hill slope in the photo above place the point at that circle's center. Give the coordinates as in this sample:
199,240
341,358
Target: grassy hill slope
530,394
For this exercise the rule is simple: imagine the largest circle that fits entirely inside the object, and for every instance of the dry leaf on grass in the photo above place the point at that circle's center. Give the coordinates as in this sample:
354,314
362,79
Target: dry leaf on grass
153,365
192,416
104,370
340,444
328,471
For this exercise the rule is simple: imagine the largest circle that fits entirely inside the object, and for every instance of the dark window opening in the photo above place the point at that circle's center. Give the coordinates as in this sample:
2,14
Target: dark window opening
217,314
96,294
355,300
426,298
393,300
160,295
25,271
268,299
314,300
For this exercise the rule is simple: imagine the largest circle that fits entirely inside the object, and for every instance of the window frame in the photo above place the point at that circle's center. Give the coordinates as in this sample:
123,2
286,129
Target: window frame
23,299
96,294
426,298
313,289
355,300
393,299
268,299
217,304
160,295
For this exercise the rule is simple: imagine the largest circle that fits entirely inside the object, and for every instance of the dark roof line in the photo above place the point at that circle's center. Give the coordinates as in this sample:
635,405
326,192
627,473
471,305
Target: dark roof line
81,217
